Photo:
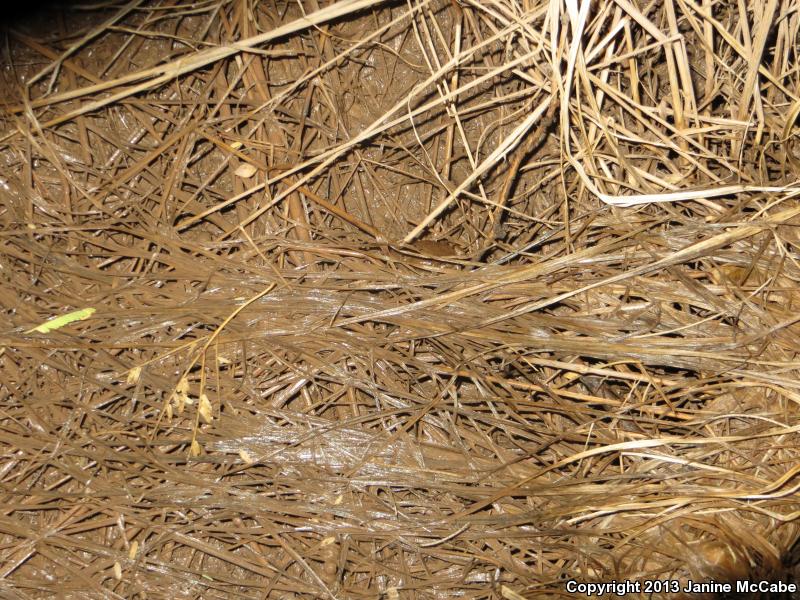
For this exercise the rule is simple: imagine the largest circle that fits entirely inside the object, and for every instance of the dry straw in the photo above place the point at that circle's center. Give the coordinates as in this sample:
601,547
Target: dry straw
406,300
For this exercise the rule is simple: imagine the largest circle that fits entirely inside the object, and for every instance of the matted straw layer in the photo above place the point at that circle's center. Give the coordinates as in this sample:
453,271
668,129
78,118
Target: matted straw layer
404,300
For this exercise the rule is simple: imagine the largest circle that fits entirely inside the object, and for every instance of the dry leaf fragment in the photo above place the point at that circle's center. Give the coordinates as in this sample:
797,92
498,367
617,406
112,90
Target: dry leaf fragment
196,449
181,396
179,400
245,171
133,375
510,594
205,409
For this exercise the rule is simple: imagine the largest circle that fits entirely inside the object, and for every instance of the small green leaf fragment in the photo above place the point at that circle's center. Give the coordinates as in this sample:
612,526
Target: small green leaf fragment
59,322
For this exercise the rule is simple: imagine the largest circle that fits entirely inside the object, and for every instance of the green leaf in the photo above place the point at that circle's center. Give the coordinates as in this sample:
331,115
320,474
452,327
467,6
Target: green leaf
59,322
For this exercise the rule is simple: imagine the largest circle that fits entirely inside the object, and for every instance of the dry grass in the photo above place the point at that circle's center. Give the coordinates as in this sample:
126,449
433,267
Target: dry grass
422,300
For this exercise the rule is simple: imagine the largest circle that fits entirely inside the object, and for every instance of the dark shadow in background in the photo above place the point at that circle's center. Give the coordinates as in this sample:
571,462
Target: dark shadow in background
31,15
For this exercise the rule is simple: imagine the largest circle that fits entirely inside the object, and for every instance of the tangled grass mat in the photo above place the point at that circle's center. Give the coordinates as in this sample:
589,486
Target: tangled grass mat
394,300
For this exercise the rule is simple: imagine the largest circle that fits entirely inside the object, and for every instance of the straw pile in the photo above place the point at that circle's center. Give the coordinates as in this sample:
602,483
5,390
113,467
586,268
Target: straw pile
404,300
